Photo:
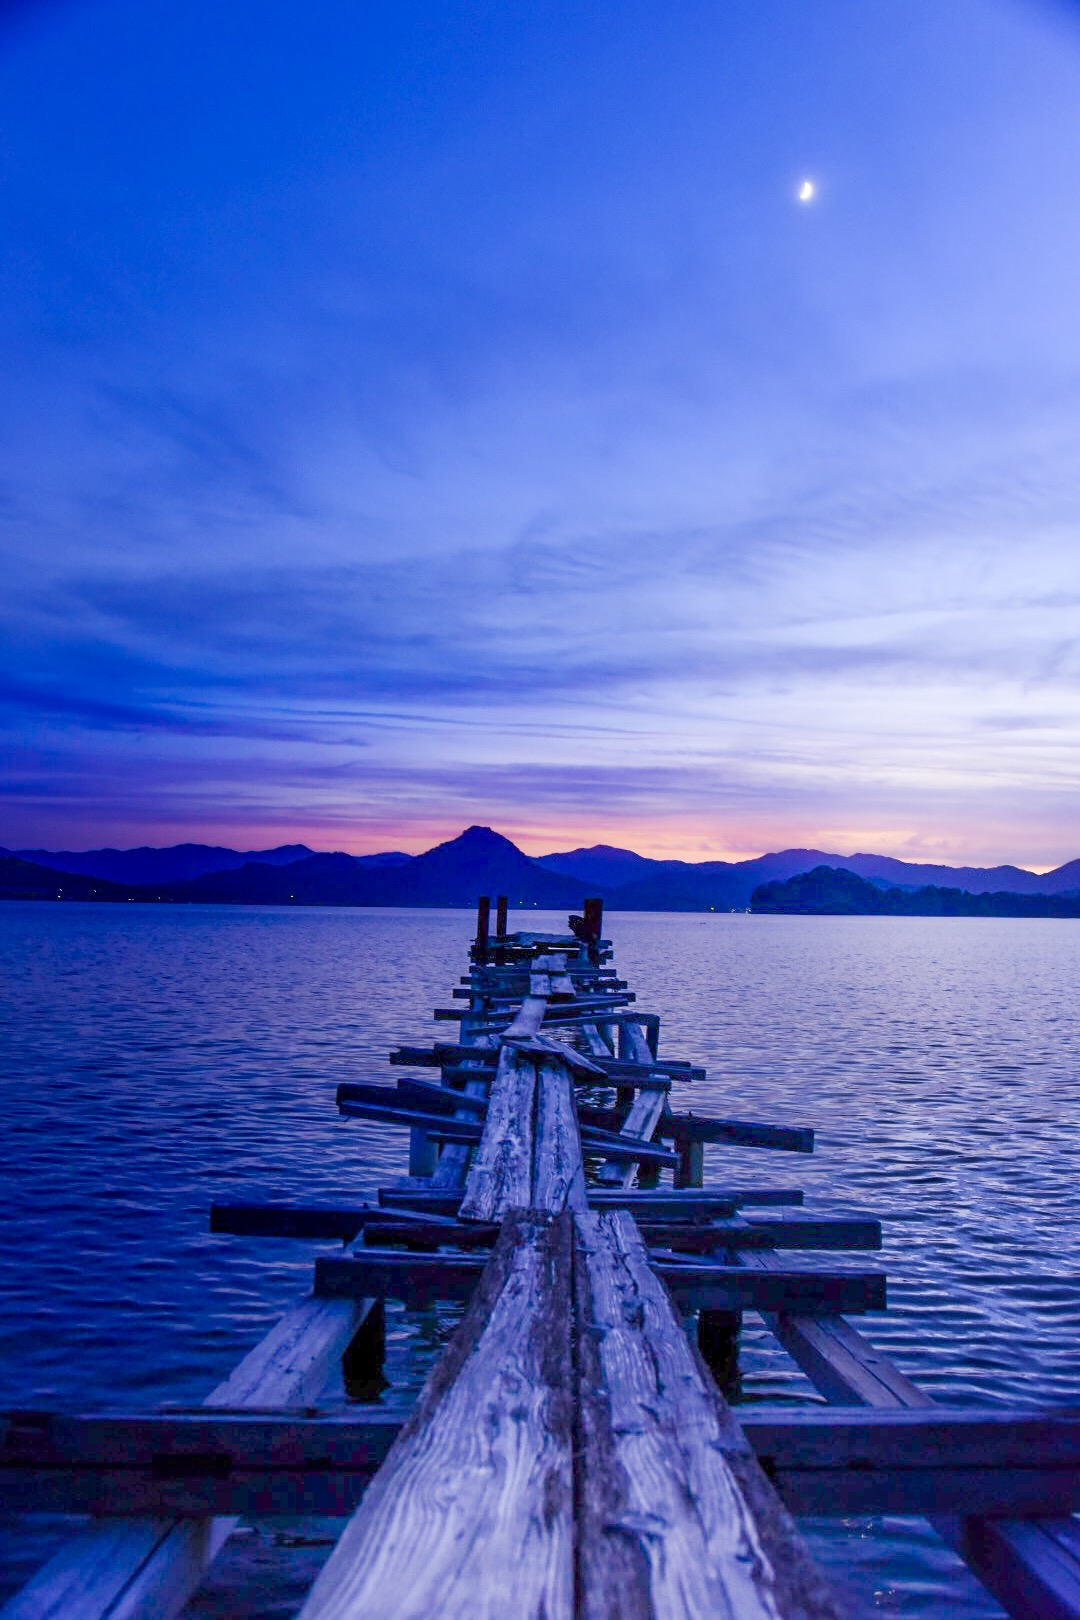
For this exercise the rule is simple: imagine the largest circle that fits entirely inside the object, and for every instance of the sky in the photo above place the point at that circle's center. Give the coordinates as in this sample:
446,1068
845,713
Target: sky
420,414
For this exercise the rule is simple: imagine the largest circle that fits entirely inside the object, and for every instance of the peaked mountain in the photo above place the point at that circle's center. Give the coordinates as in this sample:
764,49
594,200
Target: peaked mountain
453,874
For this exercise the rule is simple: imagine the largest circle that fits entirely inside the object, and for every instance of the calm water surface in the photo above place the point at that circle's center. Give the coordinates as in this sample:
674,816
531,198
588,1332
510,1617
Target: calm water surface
155,1059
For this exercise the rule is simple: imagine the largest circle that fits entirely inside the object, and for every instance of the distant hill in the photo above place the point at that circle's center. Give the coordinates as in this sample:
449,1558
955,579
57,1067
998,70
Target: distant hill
831,891
25,880
601,865
176,864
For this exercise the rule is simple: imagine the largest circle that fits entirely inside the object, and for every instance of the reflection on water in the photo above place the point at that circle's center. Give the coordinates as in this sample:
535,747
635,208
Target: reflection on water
154,1059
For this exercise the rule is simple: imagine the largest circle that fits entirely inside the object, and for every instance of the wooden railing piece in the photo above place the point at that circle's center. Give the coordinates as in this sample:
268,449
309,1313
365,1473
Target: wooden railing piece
471,1516
662,1463
146,1569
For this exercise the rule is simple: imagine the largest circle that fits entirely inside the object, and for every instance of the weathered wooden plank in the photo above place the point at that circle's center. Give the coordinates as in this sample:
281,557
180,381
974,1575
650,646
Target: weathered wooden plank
931,1461
189,1466
699,1533
736,1132
389,1274
471,1516
558,1175
528,1018
146,1569
500,1176
542,1045
810,1292
1029,1565
767,1234
454,1159
645,1112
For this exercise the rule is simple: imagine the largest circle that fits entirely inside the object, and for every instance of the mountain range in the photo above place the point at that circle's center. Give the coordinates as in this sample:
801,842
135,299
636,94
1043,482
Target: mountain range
479,861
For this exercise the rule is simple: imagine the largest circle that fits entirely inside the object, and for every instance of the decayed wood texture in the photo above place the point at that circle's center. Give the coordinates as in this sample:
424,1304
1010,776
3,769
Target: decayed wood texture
558,1177
929,1460
146,1569
1031,1566
452,1164
187,1465
645,1112
471,1516
500,1176
675,1518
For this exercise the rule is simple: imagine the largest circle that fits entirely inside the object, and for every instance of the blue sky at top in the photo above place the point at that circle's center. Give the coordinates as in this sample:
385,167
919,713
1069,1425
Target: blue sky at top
416,414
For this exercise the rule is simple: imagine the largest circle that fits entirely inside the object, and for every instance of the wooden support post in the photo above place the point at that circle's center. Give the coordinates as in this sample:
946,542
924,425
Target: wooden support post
594,926
502,906
691,1171
718,1340
422,1154
365,1356
479,951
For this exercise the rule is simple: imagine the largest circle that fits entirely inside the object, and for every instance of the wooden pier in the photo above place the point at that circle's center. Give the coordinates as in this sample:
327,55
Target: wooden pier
571,1453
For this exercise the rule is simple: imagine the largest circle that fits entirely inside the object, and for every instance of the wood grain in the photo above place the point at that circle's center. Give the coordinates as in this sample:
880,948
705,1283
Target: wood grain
471,1516
666,1524
146,1569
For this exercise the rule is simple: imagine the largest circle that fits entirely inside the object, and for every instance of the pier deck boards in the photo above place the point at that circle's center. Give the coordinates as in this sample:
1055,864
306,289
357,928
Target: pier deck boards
570,1455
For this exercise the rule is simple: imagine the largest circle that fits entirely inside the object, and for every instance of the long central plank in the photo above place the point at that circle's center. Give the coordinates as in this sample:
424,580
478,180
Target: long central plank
675,1518
471,1515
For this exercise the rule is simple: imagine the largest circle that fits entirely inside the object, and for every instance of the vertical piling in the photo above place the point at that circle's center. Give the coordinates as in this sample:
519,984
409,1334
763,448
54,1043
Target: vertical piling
479,951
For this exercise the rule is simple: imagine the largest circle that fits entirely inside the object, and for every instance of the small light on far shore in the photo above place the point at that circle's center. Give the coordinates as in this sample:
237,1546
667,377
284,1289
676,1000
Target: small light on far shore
807,191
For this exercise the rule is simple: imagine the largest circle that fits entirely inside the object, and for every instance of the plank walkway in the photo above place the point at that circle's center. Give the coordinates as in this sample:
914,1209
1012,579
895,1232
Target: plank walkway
570,1454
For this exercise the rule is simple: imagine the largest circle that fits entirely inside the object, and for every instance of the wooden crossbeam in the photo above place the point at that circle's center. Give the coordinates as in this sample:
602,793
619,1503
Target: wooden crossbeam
189,1466
146,1568
440,1054
689,1204
736,1132
317,1221
1032,1566
382,1227
827,1460
371,1272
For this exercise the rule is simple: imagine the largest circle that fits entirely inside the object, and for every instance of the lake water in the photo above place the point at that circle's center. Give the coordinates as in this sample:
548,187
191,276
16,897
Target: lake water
153,1059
